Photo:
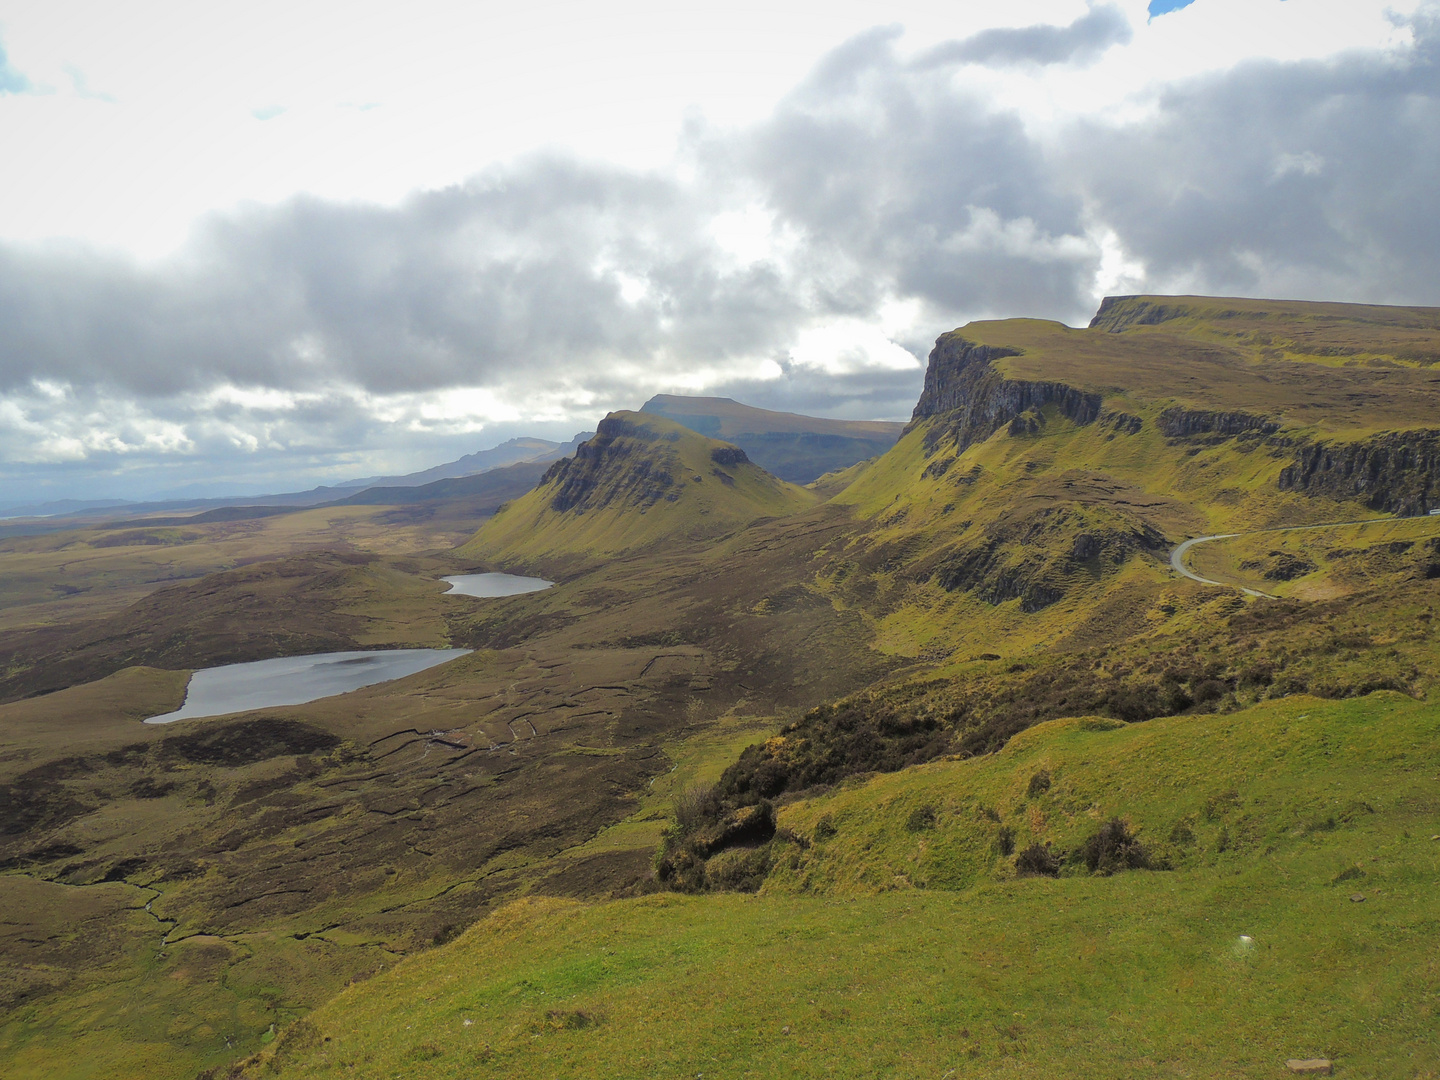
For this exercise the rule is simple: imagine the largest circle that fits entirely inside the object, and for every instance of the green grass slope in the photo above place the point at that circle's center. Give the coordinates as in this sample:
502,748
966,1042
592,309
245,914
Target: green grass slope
899,941
642,482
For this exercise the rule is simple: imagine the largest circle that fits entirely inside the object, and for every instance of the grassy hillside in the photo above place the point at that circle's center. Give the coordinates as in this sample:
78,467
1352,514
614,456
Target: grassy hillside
242,832
642,482
1337,368
900,942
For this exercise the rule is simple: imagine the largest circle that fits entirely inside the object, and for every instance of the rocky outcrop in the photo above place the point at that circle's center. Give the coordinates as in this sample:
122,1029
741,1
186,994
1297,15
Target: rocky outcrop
623,456
1119,313
1034,559
1398,471
1122,423
1280,566
1177,423
962,384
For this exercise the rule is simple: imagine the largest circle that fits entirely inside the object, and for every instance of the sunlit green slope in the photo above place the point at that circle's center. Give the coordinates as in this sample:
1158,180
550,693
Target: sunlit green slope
1049,471
1297,919
641,482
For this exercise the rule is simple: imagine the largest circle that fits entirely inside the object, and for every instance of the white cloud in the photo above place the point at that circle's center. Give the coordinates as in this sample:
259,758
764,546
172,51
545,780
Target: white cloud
848,347
367,280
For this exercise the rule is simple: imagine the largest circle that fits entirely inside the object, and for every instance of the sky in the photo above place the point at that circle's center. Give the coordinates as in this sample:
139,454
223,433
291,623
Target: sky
254,247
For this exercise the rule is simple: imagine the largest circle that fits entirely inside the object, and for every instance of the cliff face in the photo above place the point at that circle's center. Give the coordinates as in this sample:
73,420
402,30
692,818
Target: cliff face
1036,557
1398,472
961,382
612,467
643,481
1119,313
1179,423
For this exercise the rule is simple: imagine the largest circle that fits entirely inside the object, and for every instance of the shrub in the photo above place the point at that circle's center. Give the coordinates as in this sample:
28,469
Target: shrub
1037,860
825,828
1005,840
1210,690
1145,701
1114,848
1039,784
697,806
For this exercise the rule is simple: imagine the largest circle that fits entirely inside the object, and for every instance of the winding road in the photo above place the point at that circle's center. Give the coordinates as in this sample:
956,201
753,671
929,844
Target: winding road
1177,562
1177,556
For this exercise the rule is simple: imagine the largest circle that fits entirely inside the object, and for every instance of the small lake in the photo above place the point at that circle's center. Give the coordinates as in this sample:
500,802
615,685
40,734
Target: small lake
494,584
294,680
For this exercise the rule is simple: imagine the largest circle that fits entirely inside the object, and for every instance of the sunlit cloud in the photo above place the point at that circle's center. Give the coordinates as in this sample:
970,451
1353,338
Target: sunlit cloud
300,270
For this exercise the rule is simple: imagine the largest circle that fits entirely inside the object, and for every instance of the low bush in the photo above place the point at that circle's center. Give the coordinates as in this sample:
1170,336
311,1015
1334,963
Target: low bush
1005,840
1037,860
1114,848
708,826
738,870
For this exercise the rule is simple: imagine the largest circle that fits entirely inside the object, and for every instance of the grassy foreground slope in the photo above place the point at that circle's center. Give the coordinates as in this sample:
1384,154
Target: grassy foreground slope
643,481
900,943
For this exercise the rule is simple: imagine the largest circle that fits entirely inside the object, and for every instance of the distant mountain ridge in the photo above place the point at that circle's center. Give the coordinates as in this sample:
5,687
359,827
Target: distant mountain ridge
517,451
507,453
793,447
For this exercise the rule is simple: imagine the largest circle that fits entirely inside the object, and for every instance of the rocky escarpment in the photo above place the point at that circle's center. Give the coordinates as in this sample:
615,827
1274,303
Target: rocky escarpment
1398,471
621,462
1178,423
1118,313
1035,558
962,385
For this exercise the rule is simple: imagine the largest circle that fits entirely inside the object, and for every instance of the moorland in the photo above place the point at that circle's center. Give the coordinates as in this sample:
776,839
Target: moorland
933,765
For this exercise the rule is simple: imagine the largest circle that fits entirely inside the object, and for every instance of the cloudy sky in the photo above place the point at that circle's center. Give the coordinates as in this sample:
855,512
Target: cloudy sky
258,246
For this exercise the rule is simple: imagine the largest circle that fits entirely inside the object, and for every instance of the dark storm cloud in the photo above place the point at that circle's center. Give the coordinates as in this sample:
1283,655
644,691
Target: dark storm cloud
903,185
1318,179
1081,42
517,273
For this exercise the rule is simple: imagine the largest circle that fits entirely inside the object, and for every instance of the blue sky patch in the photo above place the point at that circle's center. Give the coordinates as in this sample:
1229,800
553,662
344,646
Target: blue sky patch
1163,7
11,81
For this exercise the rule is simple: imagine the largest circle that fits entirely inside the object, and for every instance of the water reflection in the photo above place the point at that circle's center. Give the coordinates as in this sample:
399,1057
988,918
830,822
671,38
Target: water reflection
294,680
494,584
